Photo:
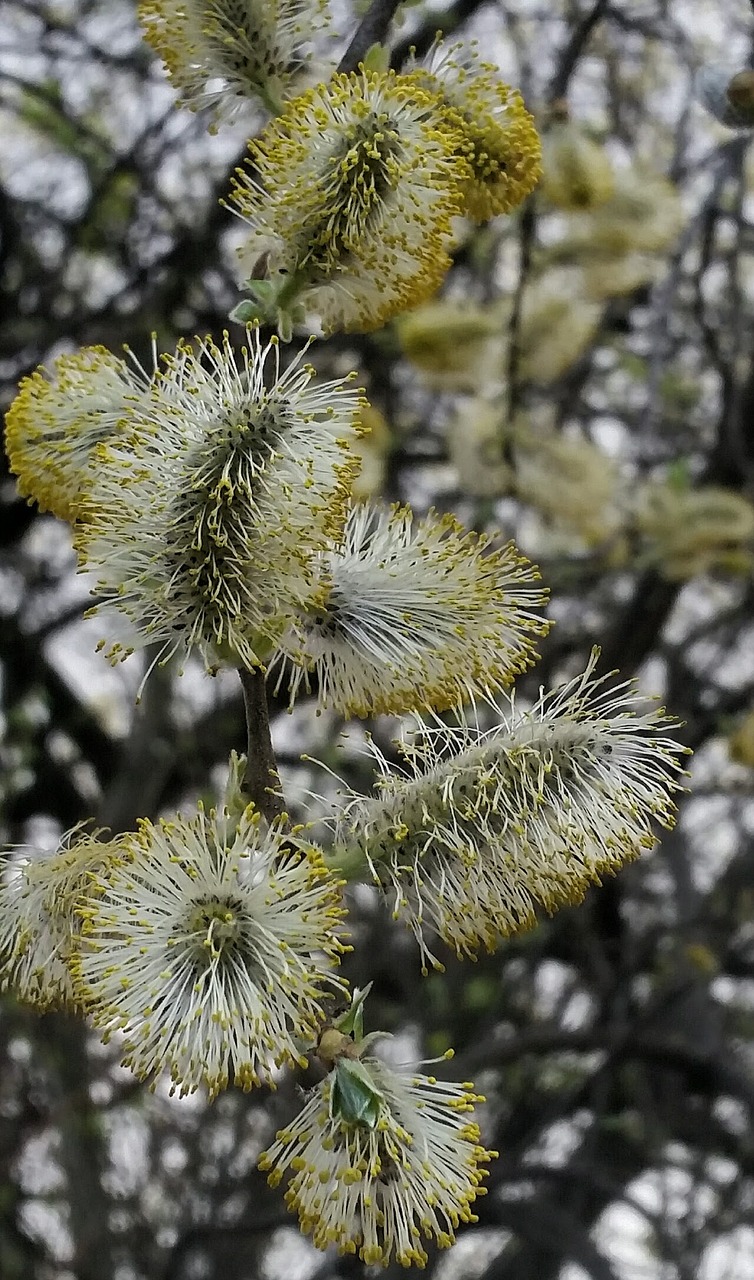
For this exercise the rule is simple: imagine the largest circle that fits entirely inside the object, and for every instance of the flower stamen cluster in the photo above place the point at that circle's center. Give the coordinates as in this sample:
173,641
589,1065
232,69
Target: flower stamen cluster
210,945
377,1179
204,531
500,138
416,612
57,420
40,919
487,825
213,501
349,197
256,49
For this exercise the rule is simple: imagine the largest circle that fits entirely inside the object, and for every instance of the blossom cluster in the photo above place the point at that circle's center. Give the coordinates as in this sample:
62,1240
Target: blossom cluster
414,611
486,825
223,56
352,194
211,498
380,1158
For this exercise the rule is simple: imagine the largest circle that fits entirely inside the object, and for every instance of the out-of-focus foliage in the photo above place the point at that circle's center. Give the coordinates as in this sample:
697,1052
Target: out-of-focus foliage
583,382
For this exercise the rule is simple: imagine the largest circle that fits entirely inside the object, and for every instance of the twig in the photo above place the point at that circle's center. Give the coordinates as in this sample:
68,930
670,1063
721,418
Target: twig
572,52
527,237
372,29
261,780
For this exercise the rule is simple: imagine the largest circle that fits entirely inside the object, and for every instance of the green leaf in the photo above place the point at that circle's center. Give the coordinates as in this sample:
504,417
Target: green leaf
377,58
285,326
246,312
265,291
354,1097
352,1021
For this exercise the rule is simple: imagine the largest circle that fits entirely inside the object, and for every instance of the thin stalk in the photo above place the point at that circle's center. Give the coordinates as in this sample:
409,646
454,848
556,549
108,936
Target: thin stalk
371,30
261,780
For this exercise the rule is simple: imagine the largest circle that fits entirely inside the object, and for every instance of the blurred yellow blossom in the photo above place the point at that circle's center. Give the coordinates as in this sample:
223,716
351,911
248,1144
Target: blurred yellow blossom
621,245
372,450
615,276
644,213
571,482
741,741
557,325
693,531
477,447
727,94
458,346
578,173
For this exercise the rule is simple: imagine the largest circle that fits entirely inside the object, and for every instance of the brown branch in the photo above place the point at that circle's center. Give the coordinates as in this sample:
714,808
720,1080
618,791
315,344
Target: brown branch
526,239
371,30
261,780
61,1042
569,58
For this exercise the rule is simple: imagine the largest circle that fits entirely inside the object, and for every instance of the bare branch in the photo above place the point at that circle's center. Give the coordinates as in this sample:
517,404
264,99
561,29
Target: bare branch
262,780
373,28
573,50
